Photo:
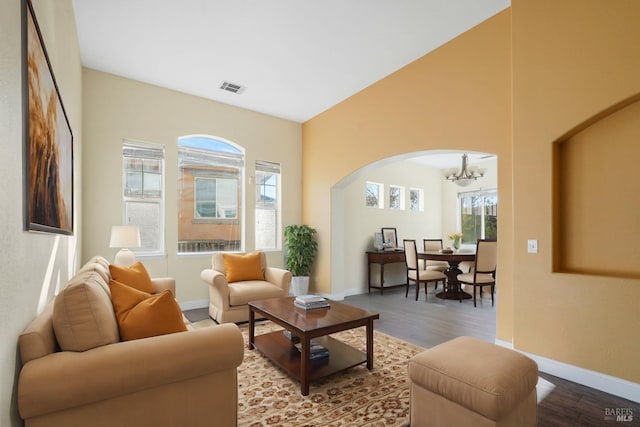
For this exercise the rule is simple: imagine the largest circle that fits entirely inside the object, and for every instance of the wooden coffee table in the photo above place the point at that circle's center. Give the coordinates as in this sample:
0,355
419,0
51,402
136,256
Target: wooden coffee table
314,324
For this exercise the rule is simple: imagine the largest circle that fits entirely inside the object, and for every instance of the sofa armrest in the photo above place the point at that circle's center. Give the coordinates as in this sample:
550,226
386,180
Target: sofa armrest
163,283
279,277
69,379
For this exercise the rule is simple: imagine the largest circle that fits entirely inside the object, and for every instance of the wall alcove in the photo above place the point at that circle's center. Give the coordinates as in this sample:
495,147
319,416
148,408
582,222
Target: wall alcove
596,195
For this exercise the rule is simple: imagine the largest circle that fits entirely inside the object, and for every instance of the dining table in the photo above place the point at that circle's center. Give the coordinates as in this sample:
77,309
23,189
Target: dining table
452,288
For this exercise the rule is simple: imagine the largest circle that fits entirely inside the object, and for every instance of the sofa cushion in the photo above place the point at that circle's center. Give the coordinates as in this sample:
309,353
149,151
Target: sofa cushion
240,293
98,268
135,276
83,316
142,315
240,267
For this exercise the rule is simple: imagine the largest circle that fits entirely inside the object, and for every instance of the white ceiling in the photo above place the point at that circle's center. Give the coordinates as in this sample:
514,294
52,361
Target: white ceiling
296,58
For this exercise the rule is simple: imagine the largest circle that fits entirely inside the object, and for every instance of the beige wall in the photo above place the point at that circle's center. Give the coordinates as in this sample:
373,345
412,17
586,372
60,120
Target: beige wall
455,98
116,108
567,68
33,265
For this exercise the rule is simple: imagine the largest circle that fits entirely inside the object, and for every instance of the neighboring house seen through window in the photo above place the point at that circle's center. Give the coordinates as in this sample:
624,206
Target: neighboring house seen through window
210,186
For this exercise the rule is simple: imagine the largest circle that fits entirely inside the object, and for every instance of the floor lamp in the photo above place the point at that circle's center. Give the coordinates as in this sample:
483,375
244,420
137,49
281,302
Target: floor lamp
125,237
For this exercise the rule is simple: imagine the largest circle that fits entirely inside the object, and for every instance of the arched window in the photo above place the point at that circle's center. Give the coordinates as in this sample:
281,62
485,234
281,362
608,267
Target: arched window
210,194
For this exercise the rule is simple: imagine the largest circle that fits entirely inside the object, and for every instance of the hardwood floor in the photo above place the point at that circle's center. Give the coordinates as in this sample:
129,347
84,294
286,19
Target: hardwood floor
431,321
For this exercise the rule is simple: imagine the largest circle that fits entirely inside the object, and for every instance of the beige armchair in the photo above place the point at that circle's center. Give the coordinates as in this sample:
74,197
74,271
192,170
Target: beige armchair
229,299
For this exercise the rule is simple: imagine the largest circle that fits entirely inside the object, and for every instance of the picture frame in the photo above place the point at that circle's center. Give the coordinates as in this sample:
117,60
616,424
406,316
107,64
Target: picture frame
377,241
48,139
389,237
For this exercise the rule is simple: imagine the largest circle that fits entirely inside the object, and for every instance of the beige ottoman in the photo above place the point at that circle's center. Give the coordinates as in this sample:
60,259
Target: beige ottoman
468,382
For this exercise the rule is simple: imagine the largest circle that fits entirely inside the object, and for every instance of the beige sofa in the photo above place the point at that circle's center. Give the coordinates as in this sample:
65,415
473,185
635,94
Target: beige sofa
228,302
184,378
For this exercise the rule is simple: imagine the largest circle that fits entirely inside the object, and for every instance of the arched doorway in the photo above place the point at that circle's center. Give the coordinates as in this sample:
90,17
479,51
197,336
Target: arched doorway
353,224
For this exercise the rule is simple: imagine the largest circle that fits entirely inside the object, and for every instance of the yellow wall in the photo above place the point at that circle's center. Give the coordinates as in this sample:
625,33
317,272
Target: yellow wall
585,202
571,60
539,69
117,108
457,97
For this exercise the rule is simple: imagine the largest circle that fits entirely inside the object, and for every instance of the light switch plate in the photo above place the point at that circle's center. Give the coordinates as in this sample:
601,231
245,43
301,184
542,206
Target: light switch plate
532,246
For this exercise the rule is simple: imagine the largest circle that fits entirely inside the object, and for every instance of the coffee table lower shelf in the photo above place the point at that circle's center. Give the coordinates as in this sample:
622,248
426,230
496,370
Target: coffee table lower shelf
281,351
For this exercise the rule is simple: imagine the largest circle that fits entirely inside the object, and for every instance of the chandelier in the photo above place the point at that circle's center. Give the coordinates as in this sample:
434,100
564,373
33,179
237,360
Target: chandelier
466,175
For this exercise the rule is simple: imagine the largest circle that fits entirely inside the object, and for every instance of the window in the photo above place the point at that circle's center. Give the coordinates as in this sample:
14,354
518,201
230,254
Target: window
210,195
268,229
478,215
216,198
143,195
396,197
415,199
374,195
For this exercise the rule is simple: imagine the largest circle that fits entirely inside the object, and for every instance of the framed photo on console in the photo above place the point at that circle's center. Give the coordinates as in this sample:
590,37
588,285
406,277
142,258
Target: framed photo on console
389,237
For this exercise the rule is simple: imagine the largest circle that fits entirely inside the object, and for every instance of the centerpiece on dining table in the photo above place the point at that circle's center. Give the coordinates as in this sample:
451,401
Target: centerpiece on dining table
456,239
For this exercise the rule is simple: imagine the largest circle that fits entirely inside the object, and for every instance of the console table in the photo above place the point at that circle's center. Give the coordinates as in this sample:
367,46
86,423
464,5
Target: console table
382,258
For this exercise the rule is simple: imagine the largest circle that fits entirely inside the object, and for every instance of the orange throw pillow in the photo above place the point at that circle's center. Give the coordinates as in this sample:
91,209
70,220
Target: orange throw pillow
142,315
241,267
135,276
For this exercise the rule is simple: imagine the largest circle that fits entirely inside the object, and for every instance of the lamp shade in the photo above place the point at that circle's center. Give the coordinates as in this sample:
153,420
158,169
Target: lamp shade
125,236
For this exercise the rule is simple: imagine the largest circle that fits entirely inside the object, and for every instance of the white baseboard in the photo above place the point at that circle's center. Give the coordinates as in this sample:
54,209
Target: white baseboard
603,382
341,296
192,305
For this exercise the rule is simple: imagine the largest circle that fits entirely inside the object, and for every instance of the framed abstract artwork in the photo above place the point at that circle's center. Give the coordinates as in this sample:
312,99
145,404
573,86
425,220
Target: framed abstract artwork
48,141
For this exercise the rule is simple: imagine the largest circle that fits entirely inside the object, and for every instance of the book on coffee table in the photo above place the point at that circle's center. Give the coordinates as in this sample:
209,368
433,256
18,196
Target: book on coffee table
310,301
316,351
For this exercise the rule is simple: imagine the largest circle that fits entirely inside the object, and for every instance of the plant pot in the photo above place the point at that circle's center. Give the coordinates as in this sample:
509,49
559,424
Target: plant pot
300,285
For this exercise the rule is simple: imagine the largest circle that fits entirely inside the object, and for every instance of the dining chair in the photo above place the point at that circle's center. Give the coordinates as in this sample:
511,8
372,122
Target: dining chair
484,271
434,245
416,274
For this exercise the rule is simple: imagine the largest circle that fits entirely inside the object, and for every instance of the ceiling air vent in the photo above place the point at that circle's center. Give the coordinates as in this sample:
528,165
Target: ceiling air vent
232,87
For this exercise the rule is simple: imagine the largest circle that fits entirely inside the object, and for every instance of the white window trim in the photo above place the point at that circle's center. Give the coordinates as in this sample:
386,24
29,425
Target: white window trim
232,159
161,251
265,166
420,199
381,196
479,192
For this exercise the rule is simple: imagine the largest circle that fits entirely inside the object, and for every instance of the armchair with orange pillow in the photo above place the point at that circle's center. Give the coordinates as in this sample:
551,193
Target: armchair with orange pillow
236,279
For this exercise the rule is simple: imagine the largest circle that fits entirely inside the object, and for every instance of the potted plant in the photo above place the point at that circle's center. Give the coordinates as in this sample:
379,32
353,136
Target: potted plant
301,252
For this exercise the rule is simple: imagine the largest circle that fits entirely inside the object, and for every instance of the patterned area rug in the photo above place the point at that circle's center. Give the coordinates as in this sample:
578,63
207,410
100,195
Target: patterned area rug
355,397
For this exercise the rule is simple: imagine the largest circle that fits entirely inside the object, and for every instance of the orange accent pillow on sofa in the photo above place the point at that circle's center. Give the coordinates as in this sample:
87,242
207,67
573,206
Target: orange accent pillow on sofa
241,267
142,315
135,276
